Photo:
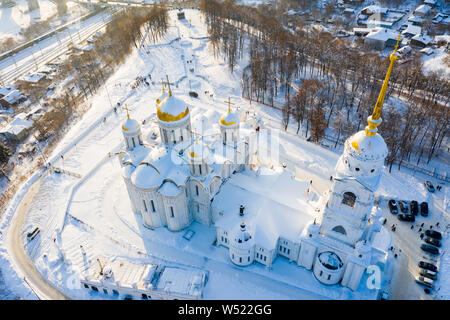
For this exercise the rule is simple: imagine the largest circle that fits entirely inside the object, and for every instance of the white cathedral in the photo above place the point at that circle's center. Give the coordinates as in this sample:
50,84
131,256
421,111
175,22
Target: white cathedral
172,183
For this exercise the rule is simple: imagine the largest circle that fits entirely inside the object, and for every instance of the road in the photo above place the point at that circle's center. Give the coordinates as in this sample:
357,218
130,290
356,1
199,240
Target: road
33,58
20,259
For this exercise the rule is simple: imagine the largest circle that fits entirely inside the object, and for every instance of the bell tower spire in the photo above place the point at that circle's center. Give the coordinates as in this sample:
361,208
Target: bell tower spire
374,120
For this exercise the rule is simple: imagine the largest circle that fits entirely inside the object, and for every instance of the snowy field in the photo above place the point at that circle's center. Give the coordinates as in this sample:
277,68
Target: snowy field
95,211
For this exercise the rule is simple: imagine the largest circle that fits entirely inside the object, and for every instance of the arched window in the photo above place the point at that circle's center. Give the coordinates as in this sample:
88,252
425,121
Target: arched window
349,199
339,229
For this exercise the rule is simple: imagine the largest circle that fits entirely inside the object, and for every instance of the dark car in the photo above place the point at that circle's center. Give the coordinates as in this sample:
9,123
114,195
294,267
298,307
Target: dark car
392,204
430,249
434,242
424,209
424,281
406,217
428,274
433,234
193,94
428,266
414,207
403,206
429,186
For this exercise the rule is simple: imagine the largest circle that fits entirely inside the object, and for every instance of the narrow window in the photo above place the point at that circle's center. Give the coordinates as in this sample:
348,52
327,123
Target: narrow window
265,258
200,168
225,136
94,288
198,208
153,205
240,259
288,251
105,291
248,259
171,212
181,138
196,189
86,286
321,272
329,276
145,206
115,292
134,143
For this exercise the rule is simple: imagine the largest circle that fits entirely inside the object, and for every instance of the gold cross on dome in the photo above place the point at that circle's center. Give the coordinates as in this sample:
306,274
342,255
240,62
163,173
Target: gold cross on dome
168,84
125,107
396,45
229,104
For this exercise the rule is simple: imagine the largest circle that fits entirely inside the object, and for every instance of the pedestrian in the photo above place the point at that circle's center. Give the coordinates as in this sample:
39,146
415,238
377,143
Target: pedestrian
431,227
62,157
422,224
331,178
412,227
420,229
437,224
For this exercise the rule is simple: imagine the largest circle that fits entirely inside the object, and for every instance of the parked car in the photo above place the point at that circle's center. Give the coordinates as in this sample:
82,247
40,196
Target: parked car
428,266
428,274
429,186
424,209
434,242
392,204
424,281
31,235
433,234
406,217
193,94
414,207
403,206
430,249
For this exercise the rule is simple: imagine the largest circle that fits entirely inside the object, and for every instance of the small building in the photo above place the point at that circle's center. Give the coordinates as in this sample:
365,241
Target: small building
11,99
428,51
7,89
122,278
420,40
415,20
411,31
442,19
430,3
17,129
361,31
422,10
380,38
33,77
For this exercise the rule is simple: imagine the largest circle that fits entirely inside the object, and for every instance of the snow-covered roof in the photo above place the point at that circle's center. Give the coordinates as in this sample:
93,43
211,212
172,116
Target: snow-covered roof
17,125
423,9
372,9
430,2
415,19
130,125
183,281
6,89
13,97
412,29
229,119
382,34
172,109
427,51
170,189
364,147
32,77
274,205
422,38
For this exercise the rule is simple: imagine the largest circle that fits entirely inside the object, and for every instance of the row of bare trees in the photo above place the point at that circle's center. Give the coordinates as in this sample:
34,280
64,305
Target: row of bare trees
327,86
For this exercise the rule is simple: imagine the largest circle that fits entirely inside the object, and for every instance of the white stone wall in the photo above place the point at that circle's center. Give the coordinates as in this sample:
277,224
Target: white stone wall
176,131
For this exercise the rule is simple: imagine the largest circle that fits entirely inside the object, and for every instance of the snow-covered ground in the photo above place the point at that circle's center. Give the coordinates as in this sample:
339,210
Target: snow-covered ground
95,211
435,62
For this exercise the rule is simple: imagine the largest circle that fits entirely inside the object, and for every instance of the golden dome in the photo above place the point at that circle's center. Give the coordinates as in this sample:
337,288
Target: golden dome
171,109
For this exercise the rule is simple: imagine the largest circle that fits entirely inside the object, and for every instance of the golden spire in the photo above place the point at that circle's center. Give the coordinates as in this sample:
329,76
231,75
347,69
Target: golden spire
374,120
229,104
168,84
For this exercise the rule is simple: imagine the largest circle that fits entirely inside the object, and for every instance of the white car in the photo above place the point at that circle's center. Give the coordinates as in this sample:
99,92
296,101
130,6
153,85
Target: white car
425,281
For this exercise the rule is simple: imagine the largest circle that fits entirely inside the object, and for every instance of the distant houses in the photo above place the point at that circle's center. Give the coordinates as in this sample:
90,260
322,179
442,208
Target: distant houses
380,38
10,96
18,129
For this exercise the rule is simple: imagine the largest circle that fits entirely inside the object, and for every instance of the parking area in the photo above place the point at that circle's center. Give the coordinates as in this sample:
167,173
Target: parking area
408,237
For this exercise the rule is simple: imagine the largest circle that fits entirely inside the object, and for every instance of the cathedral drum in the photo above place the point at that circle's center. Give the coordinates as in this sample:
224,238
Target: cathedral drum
328,267
242,249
